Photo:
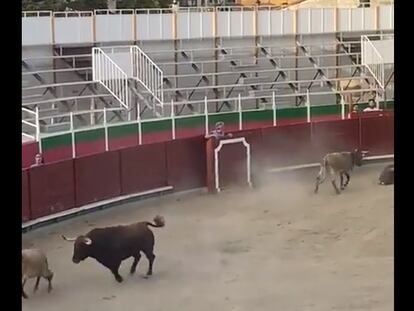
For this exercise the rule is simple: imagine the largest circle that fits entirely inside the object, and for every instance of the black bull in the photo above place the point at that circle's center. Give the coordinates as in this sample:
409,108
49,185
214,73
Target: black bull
111,245
387,175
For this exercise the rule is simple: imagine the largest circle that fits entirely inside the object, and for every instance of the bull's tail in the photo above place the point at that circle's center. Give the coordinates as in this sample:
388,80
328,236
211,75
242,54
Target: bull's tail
322,174
158,222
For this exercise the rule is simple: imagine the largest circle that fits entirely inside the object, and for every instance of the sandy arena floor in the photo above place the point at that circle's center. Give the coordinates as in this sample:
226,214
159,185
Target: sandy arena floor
277,248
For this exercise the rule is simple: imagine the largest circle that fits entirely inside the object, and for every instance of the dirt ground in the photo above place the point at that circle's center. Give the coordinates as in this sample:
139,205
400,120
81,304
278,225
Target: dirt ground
280,247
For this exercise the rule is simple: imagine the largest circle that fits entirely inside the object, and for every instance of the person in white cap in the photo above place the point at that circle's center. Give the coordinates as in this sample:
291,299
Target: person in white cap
218,132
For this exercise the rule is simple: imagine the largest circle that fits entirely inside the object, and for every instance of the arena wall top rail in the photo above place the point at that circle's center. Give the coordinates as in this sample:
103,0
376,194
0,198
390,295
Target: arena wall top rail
59,28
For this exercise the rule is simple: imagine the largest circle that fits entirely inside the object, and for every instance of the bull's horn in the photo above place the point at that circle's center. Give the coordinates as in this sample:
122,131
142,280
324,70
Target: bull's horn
88,241
68,239
365,151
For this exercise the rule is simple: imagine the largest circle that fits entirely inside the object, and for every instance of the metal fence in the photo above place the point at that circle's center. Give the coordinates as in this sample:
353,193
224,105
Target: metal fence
30,124
148,73
372,60
273,114
197,23
110,75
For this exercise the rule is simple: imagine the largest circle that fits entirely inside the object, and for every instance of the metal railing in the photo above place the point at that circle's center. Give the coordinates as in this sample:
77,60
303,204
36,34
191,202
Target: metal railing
372,60
197,22
110,75
275,111
26,14
32,123
148,73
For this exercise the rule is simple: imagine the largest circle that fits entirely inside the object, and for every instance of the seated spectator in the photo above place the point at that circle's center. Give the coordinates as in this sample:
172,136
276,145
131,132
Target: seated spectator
355,109
38,160
372,106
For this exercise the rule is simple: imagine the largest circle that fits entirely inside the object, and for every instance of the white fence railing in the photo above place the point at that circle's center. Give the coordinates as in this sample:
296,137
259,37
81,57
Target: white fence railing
311,114
372,60
30,124
197,23
148,73
110,75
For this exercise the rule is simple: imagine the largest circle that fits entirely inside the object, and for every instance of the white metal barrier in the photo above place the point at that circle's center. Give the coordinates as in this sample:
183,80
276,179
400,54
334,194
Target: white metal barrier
110,75
73,27
372,60
148,73
201,22
32,122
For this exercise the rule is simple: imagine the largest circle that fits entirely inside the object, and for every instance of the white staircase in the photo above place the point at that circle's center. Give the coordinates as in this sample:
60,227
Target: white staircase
111,76
376,54
114,67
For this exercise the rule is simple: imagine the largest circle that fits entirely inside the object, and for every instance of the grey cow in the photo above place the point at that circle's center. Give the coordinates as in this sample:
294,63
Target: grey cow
35,265
339,163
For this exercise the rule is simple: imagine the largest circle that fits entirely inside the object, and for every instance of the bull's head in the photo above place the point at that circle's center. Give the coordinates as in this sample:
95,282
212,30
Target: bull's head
358,156
81,248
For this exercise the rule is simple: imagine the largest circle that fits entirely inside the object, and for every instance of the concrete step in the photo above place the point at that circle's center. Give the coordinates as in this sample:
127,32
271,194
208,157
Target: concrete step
49,112
57,127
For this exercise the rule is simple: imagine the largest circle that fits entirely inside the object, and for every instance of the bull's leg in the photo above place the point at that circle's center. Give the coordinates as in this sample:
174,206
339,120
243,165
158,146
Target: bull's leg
333,175
348,178
342,181
24,295
135,263
319,179
335,187
37,284
49,279
317,183
151,257
114,269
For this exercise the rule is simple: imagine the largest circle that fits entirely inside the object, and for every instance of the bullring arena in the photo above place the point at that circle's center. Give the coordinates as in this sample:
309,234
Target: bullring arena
117,110
277,247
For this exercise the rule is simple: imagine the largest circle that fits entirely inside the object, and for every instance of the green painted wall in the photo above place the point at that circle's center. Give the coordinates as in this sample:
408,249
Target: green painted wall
90,135
227,117
122,130
56,141
156,126
151,127
263,115
190,122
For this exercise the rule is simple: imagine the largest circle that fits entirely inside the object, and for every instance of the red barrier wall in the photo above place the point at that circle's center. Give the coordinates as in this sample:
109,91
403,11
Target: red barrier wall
29,151
186,163
377,134
57,154
97,177
157,137
287,145
124,142
26,213
257,152
90,147
232,165
254,138
51,188
143,168
181,163
334,136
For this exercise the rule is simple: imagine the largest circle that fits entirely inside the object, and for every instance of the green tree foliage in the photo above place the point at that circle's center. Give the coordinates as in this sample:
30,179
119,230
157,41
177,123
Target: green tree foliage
89,5
36,5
